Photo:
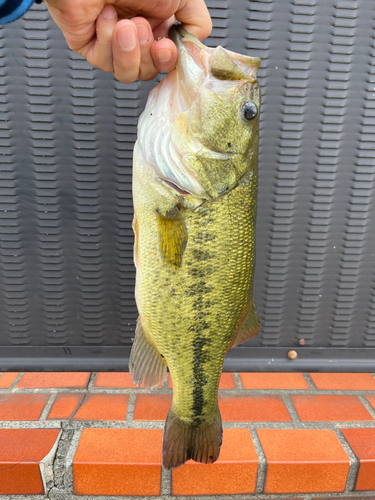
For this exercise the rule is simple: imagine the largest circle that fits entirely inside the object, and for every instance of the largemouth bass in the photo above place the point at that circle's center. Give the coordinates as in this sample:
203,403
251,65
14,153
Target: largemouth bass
195,177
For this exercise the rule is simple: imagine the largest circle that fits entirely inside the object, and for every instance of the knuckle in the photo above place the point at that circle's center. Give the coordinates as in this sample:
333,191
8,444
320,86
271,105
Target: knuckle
73,47
101,63
125,77
105,64
147,76
107,68
207,31
125,74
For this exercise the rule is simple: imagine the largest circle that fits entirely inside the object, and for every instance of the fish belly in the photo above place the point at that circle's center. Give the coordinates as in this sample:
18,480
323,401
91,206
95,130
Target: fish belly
191,313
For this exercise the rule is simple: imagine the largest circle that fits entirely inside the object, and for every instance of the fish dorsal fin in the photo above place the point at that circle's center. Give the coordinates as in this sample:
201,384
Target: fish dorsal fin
172,234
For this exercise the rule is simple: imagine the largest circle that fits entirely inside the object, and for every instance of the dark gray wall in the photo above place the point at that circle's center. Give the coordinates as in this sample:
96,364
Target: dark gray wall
66,138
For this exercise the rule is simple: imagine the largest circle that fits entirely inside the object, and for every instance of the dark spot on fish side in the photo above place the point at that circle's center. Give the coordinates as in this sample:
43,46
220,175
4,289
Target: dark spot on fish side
203,236
211,457
197,273
229,144
162,356
200,255
199,327
205,221
199,358
199,289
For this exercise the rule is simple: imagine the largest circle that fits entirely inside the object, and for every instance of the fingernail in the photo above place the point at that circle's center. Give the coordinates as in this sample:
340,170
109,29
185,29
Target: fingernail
144,34
108,12
127,38
163,55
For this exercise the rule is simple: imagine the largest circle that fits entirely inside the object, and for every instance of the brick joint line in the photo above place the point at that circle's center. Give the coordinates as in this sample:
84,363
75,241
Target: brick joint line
354,462
367,405
262,466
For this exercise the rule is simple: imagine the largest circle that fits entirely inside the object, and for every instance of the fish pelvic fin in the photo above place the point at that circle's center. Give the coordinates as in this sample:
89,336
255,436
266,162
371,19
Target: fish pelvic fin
183,441
145,362
248,325
173,237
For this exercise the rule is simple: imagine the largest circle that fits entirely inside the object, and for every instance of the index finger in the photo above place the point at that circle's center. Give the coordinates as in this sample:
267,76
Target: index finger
195,18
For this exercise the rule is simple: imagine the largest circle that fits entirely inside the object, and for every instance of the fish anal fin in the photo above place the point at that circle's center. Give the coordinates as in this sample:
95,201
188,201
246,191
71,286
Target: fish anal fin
145,362
173,236
248,325
182,442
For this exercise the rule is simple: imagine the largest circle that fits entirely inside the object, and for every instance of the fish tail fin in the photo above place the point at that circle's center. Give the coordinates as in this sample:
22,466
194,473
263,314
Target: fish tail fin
183,442
145,362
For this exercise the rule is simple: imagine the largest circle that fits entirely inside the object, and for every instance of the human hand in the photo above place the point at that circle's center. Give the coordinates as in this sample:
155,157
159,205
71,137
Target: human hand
121,36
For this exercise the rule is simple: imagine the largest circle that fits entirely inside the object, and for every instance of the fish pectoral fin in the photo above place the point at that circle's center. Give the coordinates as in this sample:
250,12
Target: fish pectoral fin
173,236
248,326
182,442
145,362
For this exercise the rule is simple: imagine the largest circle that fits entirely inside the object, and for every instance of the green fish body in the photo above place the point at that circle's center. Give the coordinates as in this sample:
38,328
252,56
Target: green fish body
195,174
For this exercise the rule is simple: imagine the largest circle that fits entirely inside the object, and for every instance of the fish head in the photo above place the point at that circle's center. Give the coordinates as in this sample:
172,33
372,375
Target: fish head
220,92
199,131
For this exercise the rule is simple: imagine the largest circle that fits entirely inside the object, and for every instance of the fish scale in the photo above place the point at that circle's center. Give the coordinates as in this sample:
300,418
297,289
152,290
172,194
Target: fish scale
195,257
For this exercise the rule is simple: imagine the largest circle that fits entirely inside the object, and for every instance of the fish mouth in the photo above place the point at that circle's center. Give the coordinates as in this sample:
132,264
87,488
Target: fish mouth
177,34
219,63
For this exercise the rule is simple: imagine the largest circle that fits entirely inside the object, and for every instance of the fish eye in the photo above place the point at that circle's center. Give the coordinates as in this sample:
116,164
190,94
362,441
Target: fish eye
249,110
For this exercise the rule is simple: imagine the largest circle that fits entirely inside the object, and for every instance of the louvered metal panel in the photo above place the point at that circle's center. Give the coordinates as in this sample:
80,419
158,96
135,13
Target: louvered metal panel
66,138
